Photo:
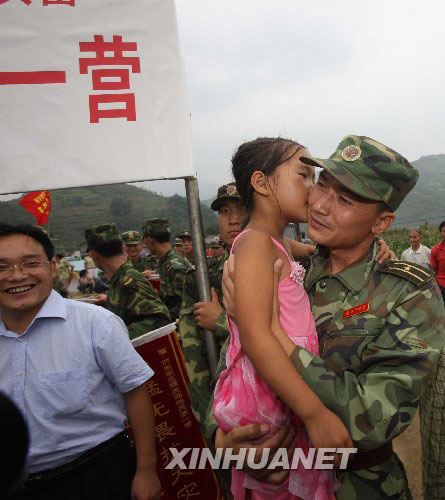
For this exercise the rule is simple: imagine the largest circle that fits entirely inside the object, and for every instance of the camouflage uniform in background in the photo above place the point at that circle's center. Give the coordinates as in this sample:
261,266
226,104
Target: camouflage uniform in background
64,269
192,336
178,243
186,234
144,263
172,269
59,287
380,330
130,295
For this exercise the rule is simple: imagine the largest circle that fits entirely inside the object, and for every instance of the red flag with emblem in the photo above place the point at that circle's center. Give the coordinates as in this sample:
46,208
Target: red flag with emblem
38,203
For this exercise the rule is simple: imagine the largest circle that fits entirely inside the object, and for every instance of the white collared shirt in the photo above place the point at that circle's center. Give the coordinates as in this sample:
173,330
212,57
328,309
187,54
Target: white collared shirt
66,373
421,256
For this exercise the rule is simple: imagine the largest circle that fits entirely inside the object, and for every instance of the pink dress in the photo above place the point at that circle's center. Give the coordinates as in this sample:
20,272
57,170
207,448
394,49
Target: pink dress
242,397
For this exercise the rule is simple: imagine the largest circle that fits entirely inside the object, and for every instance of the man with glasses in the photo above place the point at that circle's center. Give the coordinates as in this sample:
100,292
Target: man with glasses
75,377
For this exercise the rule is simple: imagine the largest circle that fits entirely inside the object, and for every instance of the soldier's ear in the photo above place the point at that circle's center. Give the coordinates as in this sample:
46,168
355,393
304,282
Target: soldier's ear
384,222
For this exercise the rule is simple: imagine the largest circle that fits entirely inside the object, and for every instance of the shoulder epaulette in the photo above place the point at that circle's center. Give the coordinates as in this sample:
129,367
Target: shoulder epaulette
127,280
407,270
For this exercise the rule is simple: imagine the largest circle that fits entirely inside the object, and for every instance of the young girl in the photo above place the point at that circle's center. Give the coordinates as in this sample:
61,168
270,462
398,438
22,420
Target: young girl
260,384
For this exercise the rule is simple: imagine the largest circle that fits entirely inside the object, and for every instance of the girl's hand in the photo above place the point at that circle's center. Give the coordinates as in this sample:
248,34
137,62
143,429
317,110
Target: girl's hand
326,430
384,252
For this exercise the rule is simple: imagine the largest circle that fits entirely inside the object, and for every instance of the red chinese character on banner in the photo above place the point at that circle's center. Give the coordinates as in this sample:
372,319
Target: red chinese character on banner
110,79
27,2
59,2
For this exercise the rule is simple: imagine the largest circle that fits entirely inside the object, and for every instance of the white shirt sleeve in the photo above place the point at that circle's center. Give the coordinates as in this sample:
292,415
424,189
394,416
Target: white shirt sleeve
115,354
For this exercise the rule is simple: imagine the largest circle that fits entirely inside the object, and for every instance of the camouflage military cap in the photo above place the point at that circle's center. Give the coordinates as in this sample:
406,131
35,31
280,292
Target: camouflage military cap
216,242
178,241
103,233
225,192
370,169
185,234
153,227
131,237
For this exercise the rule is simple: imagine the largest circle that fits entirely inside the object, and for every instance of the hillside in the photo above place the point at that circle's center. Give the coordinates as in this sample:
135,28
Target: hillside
73,210
427,199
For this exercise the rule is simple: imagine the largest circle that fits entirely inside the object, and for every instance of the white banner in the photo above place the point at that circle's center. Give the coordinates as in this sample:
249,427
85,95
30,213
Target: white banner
91,92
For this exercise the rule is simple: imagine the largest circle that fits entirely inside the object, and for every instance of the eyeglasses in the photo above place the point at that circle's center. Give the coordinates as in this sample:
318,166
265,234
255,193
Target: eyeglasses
29,267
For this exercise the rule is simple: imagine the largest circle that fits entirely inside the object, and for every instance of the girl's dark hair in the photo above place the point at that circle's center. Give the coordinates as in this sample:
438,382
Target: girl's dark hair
441,225
264,154
33,232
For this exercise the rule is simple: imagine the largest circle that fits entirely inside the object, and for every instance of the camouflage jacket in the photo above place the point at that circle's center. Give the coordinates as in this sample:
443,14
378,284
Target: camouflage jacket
380,331
172,270
148,262
131,297
192,336
64,269
59,287
432,431
373,363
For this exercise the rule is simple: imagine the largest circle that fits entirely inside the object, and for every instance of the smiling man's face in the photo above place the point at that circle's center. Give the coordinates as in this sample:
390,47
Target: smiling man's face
24,292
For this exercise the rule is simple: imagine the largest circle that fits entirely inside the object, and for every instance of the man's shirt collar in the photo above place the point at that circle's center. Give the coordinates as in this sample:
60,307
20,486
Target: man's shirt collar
352,277
53,307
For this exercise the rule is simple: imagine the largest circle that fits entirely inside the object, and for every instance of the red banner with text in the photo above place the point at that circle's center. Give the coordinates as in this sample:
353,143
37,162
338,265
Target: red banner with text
175,424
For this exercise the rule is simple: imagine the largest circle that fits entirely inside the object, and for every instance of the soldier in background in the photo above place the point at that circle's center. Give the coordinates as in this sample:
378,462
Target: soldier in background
216,247
130,295
196,316
172,266
178,246
64,270
187,244
146,265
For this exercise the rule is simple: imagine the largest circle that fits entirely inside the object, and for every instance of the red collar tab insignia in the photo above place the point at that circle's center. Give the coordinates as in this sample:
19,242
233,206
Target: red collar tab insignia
351,153
362,308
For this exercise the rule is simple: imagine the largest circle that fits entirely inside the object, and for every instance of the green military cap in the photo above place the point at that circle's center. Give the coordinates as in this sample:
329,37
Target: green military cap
225,192
370,169
178,241
216,242
131,237
155,226
185,234
103,233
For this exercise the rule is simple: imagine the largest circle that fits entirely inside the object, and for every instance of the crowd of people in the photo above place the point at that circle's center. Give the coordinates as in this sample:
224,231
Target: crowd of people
337,353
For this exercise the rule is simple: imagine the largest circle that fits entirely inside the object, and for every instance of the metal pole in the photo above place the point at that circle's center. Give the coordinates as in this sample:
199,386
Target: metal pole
202,275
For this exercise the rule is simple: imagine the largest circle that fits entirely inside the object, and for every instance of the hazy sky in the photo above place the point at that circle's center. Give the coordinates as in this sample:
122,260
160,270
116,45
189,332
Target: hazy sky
312,71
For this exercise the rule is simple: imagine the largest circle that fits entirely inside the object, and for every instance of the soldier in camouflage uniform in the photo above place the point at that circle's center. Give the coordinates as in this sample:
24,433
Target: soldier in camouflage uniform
380,327
130,295
187,244
64,270
178,246
196,316
132,241
216,247
172,266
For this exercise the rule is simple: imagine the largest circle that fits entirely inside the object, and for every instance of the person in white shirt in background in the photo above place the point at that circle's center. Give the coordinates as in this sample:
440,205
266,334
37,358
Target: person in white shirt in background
417,253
